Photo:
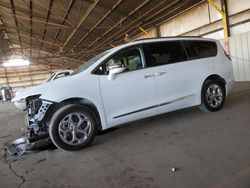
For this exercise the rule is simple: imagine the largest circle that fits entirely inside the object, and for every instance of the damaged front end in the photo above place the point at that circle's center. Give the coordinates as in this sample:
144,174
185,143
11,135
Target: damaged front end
35,116
36,134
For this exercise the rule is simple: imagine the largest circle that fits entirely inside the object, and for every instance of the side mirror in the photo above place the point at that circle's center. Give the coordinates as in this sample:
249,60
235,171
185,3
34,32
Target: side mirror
114,70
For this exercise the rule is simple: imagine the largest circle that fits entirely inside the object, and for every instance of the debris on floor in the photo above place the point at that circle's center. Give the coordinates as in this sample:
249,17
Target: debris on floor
174,169
24,145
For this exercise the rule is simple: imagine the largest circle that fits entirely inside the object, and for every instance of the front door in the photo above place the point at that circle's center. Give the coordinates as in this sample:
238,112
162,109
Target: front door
132,94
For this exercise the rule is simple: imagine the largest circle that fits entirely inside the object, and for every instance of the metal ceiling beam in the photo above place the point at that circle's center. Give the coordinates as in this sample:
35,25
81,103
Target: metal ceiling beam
38,20
45,26
25,29
40,58
138,25
16,22
148,23
63,21
135,33
6,31
149,15
182,3
68,15
35,46
39,40
28,36
105,8
31,25
162,19
95,26
53,12
27,33
118,23
67,43
83,18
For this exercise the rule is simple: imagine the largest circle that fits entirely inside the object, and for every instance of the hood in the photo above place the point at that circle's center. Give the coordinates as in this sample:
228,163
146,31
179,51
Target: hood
23,94
45,89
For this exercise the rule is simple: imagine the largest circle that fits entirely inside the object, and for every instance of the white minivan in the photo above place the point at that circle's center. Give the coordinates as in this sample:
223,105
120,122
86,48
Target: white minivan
133,81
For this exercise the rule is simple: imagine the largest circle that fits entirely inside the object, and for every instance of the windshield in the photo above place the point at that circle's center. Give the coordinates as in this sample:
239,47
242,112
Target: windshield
90,62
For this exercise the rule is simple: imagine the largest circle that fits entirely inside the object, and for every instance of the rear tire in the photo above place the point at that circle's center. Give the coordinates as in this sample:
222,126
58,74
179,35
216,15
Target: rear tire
212,96
72,127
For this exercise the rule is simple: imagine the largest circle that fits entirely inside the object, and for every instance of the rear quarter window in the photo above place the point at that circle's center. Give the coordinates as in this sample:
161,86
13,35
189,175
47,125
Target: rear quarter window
200,49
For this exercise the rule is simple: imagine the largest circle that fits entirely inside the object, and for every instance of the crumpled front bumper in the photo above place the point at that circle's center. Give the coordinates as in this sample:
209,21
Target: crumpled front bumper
36,131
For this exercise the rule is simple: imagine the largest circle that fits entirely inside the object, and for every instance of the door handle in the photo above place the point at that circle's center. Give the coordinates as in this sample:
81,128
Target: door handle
160,73
149,76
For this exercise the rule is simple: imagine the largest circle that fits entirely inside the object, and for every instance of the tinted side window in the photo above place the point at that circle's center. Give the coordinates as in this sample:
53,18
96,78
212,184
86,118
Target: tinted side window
200,49
130,60
162,53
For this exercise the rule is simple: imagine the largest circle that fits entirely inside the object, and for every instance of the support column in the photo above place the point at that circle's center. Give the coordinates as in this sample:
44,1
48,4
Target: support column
224,13
226,28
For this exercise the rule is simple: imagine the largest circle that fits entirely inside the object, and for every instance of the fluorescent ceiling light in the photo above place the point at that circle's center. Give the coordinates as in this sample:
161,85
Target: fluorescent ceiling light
16,62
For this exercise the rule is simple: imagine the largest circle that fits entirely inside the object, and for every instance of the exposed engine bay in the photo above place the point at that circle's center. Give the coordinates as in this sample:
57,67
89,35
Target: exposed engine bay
35,132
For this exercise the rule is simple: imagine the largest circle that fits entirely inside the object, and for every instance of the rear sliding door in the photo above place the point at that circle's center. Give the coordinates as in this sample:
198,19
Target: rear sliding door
175,75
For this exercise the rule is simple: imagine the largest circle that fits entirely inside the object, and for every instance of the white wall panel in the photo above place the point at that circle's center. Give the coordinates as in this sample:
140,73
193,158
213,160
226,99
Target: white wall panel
194,18
215,35
240,54
235,6
240,28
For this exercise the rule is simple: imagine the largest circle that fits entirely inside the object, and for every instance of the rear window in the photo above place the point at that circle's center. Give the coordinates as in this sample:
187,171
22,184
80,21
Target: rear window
200,49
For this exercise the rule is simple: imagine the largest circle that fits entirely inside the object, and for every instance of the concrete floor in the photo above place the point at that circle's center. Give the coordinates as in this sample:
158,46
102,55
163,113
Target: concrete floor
208,150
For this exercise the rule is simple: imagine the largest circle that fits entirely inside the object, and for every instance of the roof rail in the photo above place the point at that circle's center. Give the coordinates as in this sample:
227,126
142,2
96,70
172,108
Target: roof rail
167,37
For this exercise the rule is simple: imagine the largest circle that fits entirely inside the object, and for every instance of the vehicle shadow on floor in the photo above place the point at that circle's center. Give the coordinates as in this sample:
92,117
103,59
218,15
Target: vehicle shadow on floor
145,125
167,119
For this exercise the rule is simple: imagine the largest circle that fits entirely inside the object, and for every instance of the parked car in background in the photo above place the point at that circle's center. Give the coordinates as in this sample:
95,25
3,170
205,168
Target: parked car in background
21,104
5,93
136,80
59,74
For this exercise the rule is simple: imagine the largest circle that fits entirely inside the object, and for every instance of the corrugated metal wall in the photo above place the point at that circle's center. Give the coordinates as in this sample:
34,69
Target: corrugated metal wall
240,54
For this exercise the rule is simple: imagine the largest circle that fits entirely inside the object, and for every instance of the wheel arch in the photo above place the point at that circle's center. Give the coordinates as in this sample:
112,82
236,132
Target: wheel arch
218,78
215,77
80,101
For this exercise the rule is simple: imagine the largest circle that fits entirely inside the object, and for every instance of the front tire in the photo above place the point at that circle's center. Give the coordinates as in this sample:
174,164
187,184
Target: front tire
212,96
72,127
